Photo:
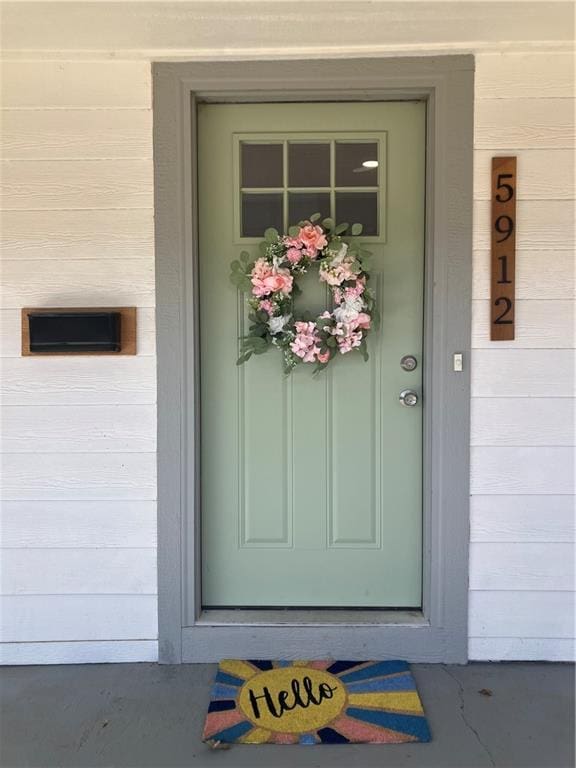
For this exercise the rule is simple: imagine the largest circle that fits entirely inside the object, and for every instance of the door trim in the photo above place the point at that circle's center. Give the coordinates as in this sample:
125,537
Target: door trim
439,632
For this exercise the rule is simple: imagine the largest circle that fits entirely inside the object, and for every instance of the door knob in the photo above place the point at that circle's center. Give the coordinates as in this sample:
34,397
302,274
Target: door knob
408,398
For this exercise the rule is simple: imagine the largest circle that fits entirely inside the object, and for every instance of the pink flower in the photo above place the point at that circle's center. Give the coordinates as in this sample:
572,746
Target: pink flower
313,239
323,357
349,342
362,321
267,306
261,269
336,274
356,290
294,255
267,280
279,282
305,345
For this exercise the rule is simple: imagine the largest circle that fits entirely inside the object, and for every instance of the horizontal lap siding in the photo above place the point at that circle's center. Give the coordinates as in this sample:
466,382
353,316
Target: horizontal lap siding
79,435
522,474
78,568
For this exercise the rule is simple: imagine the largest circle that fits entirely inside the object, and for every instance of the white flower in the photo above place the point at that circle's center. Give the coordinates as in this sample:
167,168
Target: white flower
339,255
349,310
276,324
354,303
345,315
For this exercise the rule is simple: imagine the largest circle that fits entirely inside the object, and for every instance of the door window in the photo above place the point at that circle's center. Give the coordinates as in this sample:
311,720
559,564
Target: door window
282,181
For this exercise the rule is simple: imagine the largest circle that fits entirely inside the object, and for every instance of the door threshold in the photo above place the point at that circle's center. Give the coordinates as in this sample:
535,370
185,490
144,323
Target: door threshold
299,616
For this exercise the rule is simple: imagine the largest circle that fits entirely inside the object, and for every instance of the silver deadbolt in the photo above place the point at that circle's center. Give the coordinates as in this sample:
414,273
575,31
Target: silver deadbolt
408,363
408,398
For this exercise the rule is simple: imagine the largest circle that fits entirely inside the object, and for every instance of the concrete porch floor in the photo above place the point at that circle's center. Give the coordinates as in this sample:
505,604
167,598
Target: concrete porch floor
145,715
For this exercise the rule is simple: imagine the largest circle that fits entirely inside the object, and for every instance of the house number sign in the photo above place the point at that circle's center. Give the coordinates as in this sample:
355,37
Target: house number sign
503,249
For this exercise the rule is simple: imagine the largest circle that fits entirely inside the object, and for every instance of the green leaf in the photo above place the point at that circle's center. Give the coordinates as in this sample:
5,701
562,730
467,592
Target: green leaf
244,256
331,342
271,235
341,228
356,229
363,349
259,330
315,217
293,231
328,224
243,358
296,290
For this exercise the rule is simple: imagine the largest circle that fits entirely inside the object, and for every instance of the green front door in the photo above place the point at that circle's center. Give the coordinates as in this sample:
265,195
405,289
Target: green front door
311,486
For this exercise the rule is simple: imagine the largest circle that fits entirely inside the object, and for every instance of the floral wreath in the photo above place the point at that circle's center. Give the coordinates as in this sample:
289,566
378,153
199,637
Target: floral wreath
271,280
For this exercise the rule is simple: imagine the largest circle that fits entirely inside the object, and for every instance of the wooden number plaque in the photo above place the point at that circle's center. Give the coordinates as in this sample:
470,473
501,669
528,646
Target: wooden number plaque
503,249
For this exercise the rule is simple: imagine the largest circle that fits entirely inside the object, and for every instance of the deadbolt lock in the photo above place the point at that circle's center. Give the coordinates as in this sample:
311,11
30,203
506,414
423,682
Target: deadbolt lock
408,363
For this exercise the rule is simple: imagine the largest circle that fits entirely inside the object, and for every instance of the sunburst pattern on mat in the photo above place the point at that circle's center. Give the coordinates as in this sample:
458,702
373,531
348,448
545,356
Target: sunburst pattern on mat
380,704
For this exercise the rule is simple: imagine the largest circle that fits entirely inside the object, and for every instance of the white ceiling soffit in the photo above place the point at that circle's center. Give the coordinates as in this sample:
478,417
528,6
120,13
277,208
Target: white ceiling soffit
254,28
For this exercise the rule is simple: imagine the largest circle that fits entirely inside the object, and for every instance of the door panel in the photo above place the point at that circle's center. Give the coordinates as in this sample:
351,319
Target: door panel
311,485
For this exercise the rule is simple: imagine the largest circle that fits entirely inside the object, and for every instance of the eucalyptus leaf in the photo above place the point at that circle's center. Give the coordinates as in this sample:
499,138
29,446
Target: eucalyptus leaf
296,290
243,358
244,256
341,228
271,235
315,217
328,224
293,231
356,229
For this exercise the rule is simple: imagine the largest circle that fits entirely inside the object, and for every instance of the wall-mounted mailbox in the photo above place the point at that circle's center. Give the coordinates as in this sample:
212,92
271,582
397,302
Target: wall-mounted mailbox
90,331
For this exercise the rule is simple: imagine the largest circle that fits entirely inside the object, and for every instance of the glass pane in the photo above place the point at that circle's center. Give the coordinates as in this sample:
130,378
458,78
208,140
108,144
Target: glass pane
309,165
260,212
358,207
301,205
350,168
261,165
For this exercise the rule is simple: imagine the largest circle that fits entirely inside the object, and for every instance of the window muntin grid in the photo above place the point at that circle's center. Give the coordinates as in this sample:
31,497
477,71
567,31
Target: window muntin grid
336,198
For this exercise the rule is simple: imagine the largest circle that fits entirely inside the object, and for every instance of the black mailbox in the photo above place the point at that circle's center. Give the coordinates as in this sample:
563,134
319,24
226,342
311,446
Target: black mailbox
74,331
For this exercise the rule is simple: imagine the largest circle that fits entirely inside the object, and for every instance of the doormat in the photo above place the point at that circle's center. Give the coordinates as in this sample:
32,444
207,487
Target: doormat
314,702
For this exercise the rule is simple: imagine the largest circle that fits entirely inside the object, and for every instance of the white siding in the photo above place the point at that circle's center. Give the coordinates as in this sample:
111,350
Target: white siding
78,518
522,475
78,572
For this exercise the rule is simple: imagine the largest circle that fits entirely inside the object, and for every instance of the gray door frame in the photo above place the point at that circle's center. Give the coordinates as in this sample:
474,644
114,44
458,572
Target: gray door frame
438,633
